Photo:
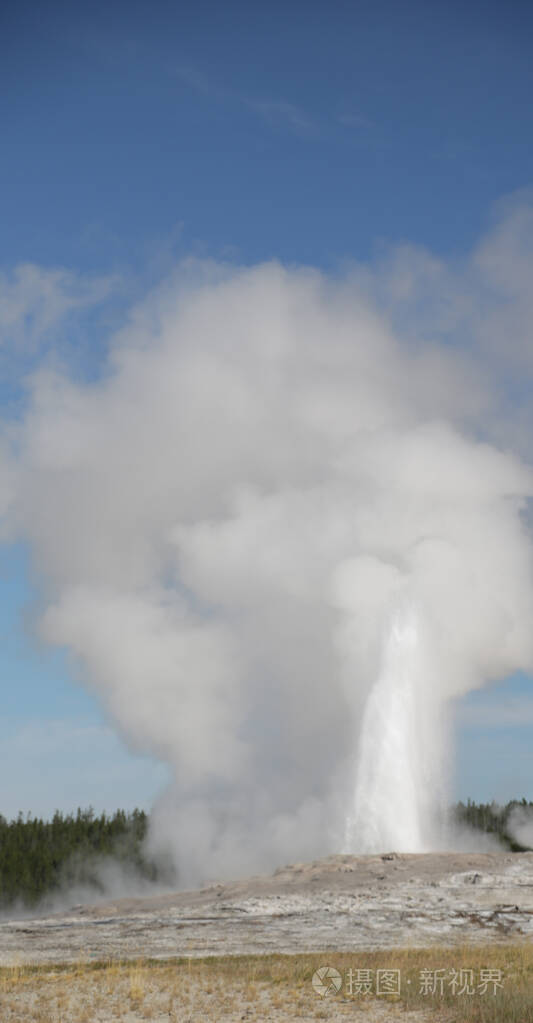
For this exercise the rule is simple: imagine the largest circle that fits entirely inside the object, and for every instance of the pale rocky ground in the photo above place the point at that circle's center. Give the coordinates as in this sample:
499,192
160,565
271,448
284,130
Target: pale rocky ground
340,904
343,903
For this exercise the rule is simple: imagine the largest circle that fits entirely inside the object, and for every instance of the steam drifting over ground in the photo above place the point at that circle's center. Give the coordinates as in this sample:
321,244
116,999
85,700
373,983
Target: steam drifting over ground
292,504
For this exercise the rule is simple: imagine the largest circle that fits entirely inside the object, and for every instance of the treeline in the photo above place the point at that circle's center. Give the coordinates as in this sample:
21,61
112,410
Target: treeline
39,857
494,819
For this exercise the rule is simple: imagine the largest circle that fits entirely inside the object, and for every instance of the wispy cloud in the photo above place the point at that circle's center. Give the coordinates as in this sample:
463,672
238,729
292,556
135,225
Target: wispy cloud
354,121
195,80
35,299
359,129
276,112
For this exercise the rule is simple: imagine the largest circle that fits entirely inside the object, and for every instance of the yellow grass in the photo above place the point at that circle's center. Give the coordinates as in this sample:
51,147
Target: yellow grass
137,980
260,987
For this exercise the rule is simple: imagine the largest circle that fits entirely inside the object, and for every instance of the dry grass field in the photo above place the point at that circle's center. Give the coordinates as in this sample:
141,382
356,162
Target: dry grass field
274,988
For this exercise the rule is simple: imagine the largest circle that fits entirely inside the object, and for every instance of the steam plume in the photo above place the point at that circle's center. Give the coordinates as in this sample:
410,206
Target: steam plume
283,511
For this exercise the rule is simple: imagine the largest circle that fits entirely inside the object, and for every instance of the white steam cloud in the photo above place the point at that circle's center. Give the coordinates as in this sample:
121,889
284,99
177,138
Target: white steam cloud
284,512
520,825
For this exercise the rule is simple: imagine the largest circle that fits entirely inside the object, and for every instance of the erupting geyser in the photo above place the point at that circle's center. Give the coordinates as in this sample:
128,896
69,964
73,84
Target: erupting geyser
273,538
399,768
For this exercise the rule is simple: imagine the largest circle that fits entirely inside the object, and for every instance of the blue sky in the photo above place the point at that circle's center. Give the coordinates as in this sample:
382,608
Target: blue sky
133,134
306,131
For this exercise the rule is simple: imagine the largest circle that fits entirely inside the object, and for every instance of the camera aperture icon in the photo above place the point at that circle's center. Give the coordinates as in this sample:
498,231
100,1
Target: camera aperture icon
326,981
